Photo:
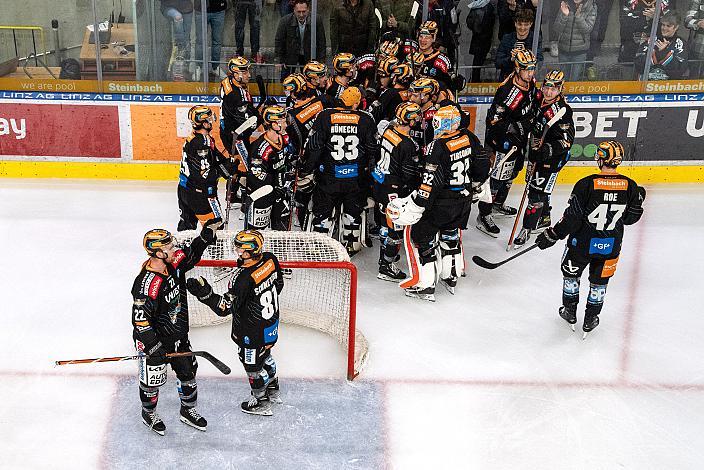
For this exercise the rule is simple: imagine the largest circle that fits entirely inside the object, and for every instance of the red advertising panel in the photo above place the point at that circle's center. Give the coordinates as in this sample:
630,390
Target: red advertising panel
59,130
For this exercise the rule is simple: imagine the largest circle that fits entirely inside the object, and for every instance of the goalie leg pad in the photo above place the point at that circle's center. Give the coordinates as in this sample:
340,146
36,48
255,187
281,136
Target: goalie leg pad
322,225
451,254
259,208
149,396
499,190
188,392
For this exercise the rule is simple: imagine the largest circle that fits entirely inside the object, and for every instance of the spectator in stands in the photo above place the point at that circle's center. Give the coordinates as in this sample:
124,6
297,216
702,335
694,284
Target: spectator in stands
292,42
353,27
669,59
573,26
636,20
253,10
521,38
507,10
215,12
480,21
180,12
603,8
694,20
443,12
397,17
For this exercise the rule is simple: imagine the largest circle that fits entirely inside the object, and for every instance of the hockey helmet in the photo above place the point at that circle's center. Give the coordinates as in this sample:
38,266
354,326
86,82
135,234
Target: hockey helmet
343,62
555,79
155,240
609,153
524,59
238,64
407,112
402,74
314,69
386,66
416,60
273,114
351,96
426,86
430,28
294,84
249,241
389,47
199,115
446,119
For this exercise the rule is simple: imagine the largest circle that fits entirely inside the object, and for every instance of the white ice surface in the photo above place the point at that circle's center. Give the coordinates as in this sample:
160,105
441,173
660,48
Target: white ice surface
489,378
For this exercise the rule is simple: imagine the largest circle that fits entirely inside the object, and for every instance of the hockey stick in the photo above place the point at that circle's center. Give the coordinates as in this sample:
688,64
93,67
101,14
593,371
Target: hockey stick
263,96
531,172
248,123
481,262
219,365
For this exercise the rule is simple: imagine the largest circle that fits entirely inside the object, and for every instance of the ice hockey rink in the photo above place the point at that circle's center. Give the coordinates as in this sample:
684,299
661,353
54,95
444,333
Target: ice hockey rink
490,378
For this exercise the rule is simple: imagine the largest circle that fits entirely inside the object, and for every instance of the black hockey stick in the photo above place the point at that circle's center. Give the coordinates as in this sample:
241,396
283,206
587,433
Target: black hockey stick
263,96
250,122
481,262
219,365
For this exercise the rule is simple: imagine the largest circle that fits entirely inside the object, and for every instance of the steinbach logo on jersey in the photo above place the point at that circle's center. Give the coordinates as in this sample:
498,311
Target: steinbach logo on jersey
344,118
263,271
611,184
309,112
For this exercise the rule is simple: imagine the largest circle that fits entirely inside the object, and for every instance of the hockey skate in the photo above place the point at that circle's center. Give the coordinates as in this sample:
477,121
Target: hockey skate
426,293
503,210
152,420
390,272
450,283
273,392
590,322
569,315
191,417
257,406
486,224
521,238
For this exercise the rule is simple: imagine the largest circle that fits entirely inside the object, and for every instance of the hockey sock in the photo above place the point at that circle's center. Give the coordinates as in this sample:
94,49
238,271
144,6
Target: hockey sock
188,391
390,245
258,381
270,366
484,208
451,254
149,396
570,291
595,301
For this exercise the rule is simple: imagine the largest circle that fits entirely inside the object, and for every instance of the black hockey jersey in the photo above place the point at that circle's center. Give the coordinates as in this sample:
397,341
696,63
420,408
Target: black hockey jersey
422,131
438,66
513,106
301,116
398,168
236,108
202,164
599,207
452,163
160,306
384,107
559,138
335,89
270,163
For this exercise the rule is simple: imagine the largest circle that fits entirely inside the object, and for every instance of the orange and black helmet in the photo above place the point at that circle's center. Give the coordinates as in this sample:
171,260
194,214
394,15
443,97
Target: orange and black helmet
524,59
199,115
251,241
429,27
554,78
315,69
402,74
156,239
386,66
294,83
610,153
272,114
238,64
407,112
343,62
427,86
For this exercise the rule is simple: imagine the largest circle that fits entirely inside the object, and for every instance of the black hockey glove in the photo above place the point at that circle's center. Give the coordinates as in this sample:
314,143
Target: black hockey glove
156,355
199,287
207,233
546,239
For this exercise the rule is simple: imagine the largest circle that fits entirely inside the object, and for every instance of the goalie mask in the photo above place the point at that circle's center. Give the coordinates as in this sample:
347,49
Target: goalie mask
446,119
156,240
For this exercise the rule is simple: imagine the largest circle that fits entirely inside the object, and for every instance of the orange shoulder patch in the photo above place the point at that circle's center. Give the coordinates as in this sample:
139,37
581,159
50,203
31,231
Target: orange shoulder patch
263,271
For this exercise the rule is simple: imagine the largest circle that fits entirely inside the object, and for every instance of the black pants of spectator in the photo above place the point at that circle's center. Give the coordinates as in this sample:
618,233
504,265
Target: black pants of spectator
244,8
603,7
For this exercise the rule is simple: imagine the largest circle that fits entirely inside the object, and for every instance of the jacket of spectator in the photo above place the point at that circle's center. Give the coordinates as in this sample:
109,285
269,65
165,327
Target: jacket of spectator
183,6
353,28
634,22
212,6
669,63
504,61
694,20
506,10
574,30
287,43
401,11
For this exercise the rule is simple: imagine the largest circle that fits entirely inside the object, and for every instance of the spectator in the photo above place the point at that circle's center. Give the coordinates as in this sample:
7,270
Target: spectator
292,42
215,12
353,27
694,20
507,10
397,17
603,8
669,59
253,9
480,20
573,27
521,38
180,13
636,20
285,7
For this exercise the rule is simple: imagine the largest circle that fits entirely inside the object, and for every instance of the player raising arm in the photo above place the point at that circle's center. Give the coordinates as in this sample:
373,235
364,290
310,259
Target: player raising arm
599,207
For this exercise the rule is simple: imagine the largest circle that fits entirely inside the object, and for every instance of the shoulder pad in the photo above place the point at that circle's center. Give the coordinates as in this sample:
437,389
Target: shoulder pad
226,86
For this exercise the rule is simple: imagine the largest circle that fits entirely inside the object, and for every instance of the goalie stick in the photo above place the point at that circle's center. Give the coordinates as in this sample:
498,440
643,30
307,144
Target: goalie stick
530,172
219,365
237,146
481,262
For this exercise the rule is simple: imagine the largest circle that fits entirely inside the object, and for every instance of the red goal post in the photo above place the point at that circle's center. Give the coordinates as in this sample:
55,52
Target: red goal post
320,286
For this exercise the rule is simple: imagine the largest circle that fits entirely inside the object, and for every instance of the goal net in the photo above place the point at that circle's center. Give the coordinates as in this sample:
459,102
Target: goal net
320,285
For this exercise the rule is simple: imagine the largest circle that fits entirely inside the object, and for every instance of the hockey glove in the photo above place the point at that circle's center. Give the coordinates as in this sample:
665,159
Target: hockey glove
207,233
404,211
156,355
305,183
641,194
546,239
199,287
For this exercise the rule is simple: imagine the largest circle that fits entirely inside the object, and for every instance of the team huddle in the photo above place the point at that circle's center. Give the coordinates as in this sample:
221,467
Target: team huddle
380,147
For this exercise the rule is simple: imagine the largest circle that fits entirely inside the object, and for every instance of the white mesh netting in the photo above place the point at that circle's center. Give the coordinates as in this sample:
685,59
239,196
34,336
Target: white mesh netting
319,285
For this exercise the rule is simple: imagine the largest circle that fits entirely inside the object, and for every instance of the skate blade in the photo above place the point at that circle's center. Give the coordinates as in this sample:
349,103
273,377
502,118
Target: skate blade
584,335
193,425
483,230
448,287
385,277
161,433
572,327
263,412
428,297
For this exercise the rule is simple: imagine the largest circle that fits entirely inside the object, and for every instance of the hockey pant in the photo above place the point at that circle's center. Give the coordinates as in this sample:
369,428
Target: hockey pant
153,377
444,221
351,200
197,206
600,271
506,167
260,367
268,208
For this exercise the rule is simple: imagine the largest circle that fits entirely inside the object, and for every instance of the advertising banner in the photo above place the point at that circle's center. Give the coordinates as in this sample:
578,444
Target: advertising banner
61,130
